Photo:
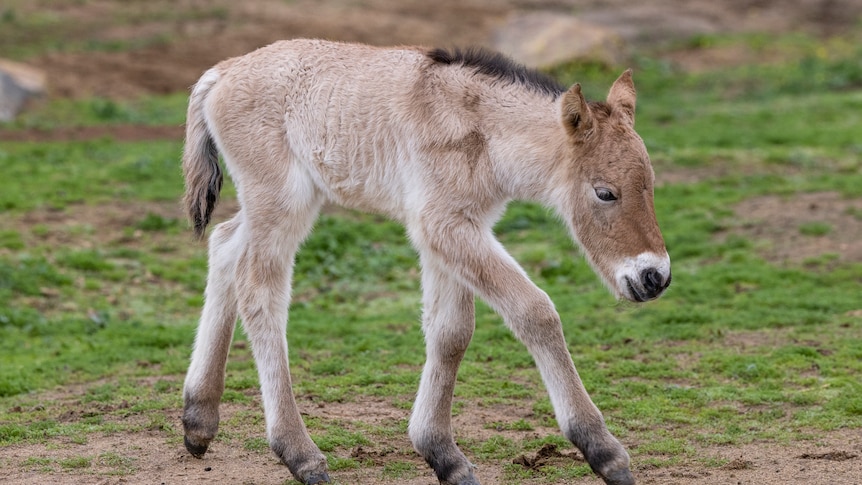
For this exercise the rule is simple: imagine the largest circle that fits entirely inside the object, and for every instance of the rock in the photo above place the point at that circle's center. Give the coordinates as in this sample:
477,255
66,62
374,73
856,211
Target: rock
544,39
18,83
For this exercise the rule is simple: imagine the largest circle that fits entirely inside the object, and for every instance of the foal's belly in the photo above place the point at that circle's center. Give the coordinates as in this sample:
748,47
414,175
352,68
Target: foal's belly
368,185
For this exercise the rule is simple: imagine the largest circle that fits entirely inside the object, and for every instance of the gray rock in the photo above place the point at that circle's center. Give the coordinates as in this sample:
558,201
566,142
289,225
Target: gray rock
18,83
543,39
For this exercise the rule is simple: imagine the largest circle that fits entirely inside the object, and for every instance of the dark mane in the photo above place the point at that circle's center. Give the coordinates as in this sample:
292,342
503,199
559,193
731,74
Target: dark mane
498,66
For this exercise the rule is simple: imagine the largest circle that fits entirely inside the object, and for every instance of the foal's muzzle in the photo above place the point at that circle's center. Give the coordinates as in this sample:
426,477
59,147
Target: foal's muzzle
644,277
652,285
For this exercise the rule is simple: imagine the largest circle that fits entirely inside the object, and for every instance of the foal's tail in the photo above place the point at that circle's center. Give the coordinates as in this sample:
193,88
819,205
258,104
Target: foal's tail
201,169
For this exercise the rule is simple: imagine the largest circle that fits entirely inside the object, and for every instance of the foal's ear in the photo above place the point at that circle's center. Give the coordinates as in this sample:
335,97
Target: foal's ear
577,117
623,95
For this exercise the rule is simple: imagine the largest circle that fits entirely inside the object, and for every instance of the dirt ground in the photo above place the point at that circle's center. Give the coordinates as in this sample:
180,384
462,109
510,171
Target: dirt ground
175,51
833,458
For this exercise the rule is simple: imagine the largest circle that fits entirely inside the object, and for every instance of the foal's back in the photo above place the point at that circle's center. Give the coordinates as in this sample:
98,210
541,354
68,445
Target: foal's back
352,116
372,128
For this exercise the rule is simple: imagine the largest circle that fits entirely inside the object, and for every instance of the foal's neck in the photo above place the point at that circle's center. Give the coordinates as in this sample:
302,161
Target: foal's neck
531,151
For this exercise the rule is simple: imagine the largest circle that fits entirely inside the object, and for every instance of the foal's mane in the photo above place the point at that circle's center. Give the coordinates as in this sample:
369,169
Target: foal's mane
498,66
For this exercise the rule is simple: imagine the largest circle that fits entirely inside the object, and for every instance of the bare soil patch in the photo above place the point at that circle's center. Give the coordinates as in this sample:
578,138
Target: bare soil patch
770,463
805,226
89,225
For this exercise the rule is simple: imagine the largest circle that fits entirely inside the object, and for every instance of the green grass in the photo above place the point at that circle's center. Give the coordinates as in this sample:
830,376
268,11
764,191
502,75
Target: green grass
27,30
54,175
62,112
815,228
740,349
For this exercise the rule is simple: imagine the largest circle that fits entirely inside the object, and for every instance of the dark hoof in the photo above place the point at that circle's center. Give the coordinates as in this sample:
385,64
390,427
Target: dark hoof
468,480
196,451
316,478
620,477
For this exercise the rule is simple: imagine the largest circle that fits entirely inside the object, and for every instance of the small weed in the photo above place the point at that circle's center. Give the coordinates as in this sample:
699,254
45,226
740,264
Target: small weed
163,386
666,446
120,465
159,422
8,16
336,463
78,439
519,425
10,239
815,229
87,260
103,393
496,447
256,444
39,463
40,230
157,223
75,462
231,395
395,470
824,261
336,437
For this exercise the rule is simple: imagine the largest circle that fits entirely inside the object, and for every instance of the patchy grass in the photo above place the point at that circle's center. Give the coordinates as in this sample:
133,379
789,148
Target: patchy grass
738,350
28,29
815,229
63,112
56,175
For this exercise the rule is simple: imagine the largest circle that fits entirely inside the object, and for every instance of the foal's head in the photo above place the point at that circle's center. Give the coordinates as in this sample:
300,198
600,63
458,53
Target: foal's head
609,206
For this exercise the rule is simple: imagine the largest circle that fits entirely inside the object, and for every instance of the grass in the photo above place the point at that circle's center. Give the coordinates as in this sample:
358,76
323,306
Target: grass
55,113
26,30
815,228
92,172
739,350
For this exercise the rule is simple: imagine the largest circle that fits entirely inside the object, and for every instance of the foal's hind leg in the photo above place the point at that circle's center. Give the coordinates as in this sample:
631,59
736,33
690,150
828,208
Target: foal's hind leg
204,383
275,230
448,321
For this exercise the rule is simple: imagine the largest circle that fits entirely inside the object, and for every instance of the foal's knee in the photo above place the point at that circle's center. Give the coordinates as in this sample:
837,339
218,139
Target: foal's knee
536,322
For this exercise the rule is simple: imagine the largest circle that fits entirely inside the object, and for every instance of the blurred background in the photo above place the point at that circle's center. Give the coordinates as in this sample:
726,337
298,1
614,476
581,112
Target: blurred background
745,371
128,48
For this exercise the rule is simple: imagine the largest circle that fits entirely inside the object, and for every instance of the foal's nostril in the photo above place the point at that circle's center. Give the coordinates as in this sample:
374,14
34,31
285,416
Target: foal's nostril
653,282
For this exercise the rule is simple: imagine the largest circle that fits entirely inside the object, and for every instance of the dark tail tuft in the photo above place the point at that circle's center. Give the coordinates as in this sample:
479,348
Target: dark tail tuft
201,168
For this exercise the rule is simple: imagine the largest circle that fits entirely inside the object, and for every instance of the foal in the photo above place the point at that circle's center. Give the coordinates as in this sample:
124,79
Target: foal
439,141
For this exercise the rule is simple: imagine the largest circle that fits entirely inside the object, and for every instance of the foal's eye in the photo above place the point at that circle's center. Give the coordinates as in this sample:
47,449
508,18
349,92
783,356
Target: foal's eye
605,195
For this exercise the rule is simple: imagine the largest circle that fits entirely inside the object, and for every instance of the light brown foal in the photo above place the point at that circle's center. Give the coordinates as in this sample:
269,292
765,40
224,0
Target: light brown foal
440,141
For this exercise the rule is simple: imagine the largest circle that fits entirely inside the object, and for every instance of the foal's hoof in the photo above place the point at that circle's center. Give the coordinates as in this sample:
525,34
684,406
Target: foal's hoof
317,478
196,451
468,480
620,477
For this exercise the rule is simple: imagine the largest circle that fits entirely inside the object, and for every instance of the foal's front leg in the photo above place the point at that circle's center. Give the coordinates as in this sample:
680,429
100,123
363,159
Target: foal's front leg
473,256
448,321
